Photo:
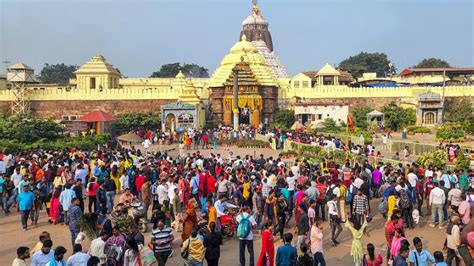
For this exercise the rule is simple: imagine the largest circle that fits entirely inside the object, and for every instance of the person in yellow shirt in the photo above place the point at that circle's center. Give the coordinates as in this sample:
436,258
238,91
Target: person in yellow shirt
391,204
196,249
211,213
246,190
43,236
23,253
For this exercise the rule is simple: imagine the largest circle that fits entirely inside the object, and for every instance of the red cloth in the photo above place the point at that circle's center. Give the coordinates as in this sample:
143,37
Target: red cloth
203,184
267,248
139,182
211,184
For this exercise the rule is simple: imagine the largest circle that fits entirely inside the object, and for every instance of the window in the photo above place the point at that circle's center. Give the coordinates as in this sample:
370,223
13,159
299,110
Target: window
305,84
92,83
185,118
320,116
313,117
296,84
429,118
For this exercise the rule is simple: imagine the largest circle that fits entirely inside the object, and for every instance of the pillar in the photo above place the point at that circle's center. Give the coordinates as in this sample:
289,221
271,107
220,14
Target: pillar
236,99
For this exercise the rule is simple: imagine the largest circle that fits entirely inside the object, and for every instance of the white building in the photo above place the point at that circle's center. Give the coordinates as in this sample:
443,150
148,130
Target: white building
309,113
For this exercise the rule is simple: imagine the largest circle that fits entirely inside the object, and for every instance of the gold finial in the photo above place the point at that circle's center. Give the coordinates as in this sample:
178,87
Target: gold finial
255,8
241,58
244,37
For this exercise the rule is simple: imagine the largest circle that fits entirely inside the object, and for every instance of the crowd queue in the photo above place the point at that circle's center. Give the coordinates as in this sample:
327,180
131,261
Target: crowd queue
208,199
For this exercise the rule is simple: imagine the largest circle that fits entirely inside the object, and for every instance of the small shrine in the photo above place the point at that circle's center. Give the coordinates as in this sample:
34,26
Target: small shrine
430,109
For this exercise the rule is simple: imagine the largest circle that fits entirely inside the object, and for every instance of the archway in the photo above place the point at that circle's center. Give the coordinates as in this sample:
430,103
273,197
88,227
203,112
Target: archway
170,122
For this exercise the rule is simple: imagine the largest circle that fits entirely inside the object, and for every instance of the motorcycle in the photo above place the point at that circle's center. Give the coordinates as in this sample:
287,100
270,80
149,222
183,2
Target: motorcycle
137,211
228,224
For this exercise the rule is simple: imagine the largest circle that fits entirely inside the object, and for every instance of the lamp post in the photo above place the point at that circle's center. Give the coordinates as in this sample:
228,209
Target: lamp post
235,91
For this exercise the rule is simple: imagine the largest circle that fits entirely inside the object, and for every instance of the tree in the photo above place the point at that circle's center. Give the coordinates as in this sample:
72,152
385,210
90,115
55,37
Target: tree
368,62
360,116
397,117
125,122
28,129
171,70
58,73
330,125
460,110
431,62
284,119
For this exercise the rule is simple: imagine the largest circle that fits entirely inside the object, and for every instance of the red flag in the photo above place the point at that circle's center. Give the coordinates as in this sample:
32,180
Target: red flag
350,123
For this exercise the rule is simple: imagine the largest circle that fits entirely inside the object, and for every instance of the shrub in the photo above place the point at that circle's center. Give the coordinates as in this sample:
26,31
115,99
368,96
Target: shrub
450,132
412,130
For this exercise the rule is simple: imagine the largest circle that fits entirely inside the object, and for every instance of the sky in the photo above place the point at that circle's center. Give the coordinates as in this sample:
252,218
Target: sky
138,36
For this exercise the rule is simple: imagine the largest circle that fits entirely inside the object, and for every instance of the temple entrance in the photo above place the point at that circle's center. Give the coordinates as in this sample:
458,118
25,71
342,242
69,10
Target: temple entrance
170,122
244,116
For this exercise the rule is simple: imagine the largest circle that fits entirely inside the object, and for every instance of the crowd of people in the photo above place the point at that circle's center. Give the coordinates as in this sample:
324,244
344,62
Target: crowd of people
207,199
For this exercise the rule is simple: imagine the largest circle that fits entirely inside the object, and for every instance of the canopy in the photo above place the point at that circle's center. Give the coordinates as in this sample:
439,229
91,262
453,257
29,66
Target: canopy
129,137
98,116
375,113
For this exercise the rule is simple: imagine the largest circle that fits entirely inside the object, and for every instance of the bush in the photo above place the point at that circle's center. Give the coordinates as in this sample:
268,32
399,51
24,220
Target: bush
125,122
28,129
412,130
433,159
284,119
450,132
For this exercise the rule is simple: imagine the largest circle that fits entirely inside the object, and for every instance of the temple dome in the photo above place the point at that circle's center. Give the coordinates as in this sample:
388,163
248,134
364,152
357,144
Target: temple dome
243,46
253,19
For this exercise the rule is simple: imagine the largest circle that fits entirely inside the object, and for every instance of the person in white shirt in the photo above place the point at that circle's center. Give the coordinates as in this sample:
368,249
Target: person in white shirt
247,241
334,218
220,206
97,247
436,202
454,197
412,178
43,256
79,258
162,192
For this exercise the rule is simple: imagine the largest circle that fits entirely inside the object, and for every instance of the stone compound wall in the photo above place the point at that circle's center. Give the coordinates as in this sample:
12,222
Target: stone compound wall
55,109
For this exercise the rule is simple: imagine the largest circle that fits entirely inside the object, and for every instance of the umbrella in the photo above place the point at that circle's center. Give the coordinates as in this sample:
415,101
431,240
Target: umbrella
129,137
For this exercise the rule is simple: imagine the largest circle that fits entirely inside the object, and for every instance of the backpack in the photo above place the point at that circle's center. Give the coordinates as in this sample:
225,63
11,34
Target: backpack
243,230
329,194
350,193
404,199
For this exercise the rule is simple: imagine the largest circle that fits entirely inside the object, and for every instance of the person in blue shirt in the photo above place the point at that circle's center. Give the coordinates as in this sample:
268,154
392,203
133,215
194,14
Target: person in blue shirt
418,256
439,259
25,203
286,254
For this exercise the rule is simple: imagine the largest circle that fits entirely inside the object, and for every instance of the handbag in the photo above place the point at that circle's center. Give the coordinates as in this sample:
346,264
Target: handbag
185,253
146,256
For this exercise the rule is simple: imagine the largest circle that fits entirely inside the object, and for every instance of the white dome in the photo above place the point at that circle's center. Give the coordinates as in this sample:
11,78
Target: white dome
252,19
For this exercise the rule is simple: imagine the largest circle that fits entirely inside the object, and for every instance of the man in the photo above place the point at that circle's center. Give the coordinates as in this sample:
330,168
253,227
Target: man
136,235
126,196
418,256
176,209
302,226
453,243
281,208
25,203
78,190
401,259
75,213
79,257
43,236
104,223
146,198
320,208
98,245
454,197
464,209
360,206
246,241
65,199
286,254
101,198
439,258
334,219
110,187
220,206
43,256
9,195
22,253
58,257
436,201
161,239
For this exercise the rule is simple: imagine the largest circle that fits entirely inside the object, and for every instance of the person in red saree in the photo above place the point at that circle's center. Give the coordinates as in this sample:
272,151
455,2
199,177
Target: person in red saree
267,253
54,214
189,222
184,189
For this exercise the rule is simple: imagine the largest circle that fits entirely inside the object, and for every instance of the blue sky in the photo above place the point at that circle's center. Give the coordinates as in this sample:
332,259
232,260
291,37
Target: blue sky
138,36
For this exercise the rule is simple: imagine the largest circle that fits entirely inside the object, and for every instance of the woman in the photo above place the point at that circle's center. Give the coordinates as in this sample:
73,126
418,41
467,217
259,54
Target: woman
54,210
356,248
189,221
370,259
92,188
195,250
212,242
267,253
132,254
115,176
117,240
396,243
391,204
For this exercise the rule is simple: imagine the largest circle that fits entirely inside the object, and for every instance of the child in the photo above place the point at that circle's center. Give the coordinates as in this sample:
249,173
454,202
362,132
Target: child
304,259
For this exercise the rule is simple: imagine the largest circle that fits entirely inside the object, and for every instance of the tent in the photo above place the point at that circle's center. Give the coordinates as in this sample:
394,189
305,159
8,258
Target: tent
97,120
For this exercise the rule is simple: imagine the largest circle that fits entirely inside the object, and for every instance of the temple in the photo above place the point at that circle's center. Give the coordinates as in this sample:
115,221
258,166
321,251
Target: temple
247,88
